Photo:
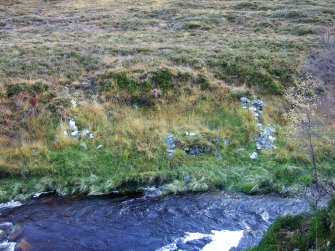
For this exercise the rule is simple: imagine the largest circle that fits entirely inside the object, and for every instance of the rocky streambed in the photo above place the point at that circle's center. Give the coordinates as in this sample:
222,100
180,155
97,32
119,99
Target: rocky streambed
206,221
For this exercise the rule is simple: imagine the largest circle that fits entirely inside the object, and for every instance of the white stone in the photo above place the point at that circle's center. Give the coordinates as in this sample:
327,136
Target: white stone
91,136
254,155
83,145
84,132
72,123
74,133
73,103
251,108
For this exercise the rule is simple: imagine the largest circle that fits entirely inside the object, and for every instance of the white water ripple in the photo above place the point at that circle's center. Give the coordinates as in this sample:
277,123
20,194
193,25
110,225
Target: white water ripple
222,240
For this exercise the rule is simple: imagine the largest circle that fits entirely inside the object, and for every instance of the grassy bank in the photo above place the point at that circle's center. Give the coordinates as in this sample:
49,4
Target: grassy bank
140,70
303,232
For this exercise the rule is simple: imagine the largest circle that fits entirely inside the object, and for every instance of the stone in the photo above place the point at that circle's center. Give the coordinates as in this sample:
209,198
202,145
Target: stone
187,178
169,140
192,134
74,133
253,109
90,136
218,139
84,132
265,139
245,102
72,123
65,133
83,145
73,103
218,154
134,106
254,155
227,142
99,146
258,104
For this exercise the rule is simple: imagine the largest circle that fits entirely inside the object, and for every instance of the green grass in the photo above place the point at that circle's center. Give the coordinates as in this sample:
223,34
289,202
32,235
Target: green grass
184,64
303,232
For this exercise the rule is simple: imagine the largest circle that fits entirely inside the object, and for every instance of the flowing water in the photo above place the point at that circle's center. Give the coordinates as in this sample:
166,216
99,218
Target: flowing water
207,221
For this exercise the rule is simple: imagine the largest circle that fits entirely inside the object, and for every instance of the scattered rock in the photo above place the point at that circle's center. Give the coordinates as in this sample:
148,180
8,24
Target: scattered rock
187,178
190,134
258,104
170,141
99,146
245,102
83,145
218,139
90,136
134,106
254,155
266,138
73,103
84,132
72,124
266,135
227,142
75,133
218,154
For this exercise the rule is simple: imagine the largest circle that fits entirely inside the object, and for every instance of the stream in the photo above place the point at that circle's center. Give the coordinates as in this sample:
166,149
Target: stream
203,221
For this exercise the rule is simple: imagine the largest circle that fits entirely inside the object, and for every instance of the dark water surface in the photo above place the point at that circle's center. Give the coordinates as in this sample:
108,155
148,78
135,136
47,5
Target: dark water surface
137,222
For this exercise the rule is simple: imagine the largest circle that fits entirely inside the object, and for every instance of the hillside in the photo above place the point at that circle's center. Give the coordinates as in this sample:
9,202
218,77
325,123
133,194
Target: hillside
97,96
